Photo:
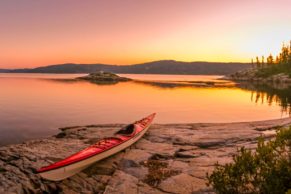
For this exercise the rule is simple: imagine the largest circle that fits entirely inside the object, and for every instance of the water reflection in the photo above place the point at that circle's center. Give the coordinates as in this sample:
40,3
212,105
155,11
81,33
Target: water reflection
267,93
182,84
276,93
31,107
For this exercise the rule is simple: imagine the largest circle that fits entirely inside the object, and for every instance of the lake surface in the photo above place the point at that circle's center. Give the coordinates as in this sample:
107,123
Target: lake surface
36,105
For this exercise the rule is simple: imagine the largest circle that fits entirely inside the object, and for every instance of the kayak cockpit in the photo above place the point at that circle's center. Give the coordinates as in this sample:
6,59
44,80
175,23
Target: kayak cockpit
128,130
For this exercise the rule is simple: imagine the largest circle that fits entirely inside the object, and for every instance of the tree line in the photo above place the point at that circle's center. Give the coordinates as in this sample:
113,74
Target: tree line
281,64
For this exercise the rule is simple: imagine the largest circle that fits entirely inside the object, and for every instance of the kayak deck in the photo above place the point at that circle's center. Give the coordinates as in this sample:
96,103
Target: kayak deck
92,150
105,145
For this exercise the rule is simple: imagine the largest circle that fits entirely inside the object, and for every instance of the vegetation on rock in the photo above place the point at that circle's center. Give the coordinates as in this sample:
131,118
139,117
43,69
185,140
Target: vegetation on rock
104,77
158,171
265,170
280,64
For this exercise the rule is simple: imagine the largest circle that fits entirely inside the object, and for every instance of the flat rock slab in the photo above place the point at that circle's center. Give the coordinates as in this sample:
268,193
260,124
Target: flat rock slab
189,150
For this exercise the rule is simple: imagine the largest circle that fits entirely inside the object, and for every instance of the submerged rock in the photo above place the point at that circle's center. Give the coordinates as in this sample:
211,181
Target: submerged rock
168,159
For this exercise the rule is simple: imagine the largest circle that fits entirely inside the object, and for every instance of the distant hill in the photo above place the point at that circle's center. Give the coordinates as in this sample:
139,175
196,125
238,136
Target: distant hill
4,70
156,67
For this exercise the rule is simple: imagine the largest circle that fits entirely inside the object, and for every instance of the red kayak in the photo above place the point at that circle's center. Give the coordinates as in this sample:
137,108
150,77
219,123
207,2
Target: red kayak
102,149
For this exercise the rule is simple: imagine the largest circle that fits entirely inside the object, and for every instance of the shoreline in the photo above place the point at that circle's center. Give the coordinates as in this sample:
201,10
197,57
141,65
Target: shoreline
188,150
250,75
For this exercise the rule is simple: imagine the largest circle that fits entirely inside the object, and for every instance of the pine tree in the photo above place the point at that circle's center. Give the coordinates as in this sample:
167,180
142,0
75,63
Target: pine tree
289,55
282,61
277,60
280,58
263,62
285,53
270,60
258,62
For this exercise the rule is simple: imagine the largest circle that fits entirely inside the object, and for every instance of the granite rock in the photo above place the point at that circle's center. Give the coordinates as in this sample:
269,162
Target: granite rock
191,150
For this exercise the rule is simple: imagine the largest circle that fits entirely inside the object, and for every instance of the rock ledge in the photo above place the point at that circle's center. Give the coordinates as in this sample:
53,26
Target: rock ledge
181,154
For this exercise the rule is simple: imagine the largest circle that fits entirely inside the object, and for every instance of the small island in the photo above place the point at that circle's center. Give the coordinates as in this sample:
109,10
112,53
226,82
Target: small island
102,77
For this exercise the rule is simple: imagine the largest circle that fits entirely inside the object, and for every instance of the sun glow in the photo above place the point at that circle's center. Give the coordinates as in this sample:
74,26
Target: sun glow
131,32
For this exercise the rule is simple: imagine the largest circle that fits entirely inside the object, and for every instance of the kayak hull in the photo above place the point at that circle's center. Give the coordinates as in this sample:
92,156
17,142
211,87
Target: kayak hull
66,171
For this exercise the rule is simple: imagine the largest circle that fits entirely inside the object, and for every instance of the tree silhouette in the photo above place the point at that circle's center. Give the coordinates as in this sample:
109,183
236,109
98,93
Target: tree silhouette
258,62
253,64
281,64
270,60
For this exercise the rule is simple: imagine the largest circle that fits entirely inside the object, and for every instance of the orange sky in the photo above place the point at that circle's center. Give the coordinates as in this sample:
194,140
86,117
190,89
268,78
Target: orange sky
36,33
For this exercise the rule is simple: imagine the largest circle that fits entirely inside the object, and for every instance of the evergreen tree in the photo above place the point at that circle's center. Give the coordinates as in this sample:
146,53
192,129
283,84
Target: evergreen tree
258,62
280,58
285,53
289,55
277,60
282,61
270,60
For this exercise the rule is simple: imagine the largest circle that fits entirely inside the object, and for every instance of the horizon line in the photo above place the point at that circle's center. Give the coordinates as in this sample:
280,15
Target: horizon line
99,63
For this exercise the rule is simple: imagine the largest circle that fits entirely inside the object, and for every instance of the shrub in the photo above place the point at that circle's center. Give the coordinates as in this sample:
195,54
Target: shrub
158,171
265,170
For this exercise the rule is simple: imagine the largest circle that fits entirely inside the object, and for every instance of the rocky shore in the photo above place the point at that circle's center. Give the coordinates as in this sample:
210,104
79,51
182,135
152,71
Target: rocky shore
249,75
170,158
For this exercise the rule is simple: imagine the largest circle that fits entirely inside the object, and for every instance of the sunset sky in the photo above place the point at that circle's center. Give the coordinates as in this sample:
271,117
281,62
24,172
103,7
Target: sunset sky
42,32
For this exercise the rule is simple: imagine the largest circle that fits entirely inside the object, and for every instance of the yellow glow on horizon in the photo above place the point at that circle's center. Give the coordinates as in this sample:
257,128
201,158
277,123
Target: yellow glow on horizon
57,32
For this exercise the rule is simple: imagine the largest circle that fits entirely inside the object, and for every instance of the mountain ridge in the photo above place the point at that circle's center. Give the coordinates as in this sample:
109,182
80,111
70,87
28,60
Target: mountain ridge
154,67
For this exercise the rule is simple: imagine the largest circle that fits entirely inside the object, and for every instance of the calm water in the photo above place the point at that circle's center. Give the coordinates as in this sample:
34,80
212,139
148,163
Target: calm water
35,105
